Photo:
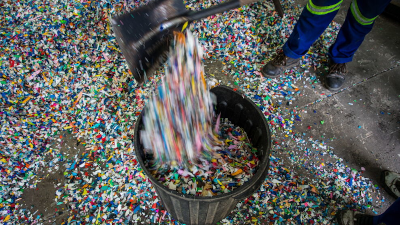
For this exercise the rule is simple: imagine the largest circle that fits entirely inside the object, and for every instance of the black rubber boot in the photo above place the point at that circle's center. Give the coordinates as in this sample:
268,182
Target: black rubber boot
362,219
391,183
349,217
278,65
336,76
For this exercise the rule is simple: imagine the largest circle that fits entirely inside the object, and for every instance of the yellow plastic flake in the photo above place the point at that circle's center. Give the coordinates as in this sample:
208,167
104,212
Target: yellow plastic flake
97,219
27,99
227,141
185,25
239,171
7,218
109,158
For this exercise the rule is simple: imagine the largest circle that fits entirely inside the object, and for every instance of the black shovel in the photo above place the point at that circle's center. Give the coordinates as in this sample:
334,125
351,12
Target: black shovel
144,34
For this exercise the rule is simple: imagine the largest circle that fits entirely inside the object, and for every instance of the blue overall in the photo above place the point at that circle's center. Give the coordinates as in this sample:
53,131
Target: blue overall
316,17
391,216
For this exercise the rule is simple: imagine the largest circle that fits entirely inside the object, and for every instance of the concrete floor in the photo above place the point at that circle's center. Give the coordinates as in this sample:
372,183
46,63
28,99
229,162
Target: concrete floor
364,117
361,121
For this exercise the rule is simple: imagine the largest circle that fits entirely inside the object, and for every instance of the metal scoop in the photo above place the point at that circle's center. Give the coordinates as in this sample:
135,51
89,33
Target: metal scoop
144,34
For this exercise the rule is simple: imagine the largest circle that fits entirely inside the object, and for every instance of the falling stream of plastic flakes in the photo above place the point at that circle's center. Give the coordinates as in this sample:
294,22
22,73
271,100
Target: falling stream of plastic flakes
62,71
178,124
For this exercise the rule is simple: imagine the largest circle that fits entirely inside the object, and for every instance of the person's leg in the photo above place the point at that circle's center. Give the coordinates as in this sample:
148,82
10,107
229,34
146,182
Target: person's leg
316,16
391,183
391,216
359,22
313,21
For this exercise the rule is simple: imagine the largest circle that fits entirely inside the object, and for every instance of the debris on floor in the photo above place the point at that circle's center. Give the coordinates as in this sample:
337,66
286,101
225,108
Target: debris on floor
61,70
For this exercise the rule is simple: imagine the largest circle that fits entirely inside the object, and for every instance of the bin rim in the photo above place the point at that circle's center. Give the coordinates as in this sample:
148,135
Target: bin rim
238,191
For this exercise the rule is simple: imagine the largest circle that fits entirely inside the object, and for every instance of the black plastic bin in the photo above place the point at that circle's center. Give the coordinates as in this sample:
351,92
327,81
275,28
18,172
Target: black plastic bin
189,209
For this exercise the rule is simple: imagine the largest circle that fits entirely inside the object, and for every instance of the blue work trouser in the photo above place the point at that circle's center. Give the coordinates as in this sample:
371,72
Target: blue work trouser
316,17
391,216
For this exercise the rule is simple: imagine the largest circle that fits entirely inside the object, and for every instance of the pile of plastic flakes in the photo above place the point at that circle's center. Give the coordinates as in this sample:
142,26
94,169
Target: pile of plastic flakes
61,70
234,164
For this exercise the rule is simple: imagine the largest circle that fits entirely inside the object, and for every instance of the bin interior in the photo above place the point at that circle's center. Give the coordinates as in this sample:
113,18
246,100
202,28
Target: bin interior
242,112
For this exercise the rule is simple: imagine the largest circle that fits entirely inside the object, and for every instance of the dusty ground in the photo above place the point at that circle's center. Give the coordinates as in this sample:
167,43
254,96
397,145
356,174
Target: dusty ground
42,198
